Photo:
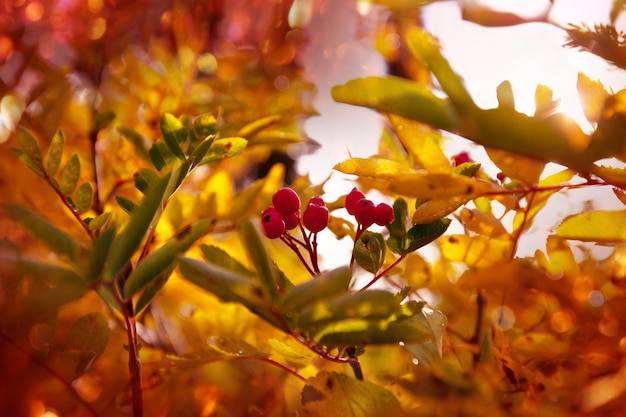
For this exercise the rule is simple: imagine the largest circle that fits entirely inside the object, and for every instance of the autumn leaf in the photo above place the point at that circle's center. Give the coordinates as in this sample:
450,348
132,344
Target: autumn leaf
601,226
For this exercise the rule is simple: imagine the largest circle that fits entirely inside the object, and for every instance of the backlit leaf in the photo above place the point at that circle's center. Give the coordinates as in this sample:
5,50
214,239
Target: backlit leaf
70,175
482,223
515,166
258,253
424,185
603,226
83,198
56,239
99,221
55,153
429,351
225,284
87,338
328,284
420,142
475,251
174,133
126,204
592,96
153,265
337,395
129,239
256,126
28,161
139,142
373,168
204,126
288,353
369,251
225,148
397,96
200,152
545,104
219,257
29,144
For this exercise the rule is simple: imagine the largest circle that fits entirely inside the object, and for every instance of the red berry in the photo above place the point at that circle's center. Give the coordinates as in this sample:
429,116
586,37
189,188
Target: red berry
292,221
365,212
315,217
352,198
272,223
317,200
384,214
286,201
462,158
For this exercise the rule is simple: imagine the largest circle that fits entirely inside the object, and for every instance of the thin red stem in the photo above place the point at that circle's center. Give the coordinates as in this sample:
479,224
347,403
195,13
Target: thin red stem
383,272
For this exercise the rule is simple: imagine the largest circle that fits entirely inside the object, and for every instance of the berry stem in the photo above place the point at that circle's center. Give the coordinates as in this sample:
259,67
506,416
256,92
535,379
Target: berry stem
383,272
289,241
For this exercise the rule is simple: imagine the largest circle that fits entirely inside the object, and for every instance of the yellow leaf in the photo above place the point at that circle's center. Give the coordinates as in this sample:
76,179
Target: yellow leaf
517,166
561,259
433,210
482,223
603,226
373,168
475,251
592,97
422,184
421,144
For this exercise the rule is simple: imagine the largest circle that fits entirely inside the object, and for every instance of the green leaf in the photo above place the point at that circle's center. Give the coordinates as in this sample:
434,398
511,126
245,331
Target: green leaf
126,204
331,394
139,142
102,120
258,253
429,351
369,251
71,175
364,305
326,285
145,178
158,261
200,152
85,341
57,240
29,144
174,133
27,160
204,126
224,148
258,125
225,284
160,155
221,258
397,96
397,228
425,47
93,269
141,218
99,221
83,198
602,226
153,288
55,153
422,234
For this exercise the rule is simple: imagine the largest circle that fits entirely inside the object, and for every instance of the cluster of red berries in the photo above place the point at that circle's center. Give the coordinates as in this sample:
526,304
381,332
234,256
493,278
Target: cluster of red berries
284,214
366,212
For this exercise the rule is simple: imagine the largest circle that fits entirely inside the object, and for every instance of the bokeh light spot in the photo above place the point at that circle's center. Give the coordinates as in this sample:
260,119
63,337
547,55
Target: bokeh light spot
503,317
595,298
281,83
207,63
562,321
34,11
97,28
6,48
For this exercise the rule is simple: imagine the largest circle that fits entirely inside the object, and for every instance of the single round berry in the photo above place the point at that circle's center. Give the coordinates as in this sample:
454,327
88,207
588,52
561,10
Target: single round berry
352,198
286,201
317,200
315,217
292,221
462,158
384,214
365,212
272,223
